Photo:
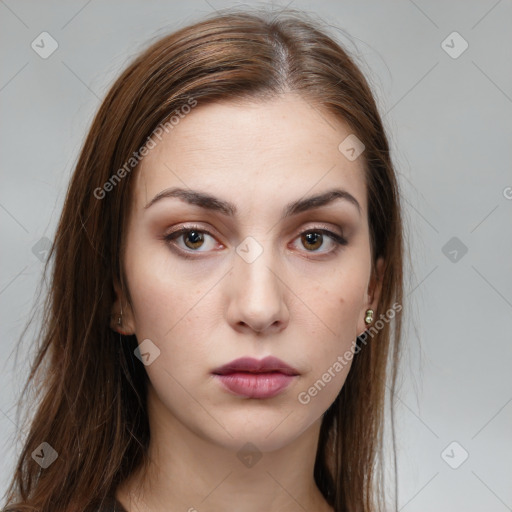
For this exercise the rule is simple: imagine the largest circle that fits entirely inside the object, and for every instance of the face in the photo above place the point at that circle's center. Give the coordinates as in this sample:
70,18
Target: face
243,274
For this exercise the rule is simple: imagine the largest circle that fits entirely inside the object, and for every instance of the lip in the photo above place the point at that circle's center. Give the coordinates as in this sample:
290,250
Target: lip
253,378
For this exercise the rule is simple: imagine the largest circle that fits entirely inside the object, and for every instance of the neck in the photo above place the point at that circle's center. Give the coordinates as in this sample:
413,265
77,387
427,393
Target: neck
191,473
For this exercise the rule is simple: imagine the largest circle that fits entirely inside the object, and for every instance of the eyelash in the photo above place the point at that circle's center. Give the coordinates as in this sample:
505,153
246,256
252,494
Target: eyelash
169,239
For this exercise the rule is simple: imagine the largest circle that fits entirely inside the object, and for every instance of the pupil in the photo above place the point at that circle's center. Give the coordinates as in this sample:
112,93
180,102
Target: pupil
195,237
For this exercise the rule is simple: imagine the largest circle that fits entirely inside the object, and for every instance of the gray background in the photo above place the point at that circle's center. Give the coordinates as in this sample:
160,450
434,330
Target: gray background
449,125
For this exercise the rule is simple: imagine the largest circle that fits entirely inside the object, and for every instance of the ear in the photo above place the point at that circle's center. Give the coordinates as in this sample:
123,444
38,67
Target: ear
372,296
127,325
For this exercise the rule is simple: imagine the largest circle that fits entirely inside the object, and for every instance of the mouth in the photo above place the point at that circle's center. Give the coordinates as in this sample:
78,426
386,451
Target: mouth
252,378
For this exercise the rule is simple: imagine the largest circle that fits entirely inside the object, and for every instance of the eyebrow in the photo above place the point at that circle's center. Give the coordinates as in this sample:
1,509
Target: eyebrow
213,203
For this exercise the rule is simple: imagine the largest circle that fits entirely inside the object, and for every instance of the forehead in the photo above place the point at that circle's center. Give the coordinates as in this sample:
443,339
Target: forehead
258,151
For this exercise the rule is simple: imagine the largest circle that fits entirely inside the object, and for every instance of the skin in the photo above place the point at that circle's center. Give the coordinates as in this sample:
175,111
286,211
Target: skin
298,300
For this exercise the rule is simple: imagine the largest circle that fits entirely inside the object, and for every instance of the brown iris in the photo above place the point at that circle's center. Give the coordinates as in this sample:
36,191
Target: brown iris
196,238
312,239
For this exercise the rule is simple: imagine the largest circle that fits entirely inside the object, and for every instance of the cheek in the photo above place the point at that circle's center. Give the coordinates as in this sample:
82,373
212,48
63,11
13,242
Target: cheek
163,297
333,310
336,303
174,311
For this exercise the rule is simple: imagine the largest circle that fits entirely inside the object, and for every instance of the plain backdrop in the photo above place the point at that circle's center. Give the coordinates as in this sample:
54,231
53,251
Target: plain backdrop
443,80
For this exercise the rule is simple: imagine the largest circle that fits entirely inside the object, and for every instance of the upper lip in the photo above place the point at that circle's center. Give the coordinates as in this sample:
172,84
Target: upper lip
251,365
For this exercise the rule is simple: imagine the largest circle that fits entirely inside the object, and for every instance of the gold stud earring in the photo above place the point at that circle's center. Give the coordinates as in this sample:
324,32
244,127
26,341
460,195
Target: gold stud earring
369,317
119,322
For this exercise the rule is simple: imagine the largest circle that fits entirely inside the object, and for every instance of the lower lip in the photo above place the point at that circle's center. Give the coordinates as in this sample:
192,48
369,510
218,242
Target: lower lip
256,385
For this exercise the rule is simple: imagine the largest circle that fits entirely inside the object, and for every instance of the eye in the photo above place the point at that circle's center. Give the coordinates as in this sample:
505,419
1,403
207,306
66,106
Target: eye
193,238
314,239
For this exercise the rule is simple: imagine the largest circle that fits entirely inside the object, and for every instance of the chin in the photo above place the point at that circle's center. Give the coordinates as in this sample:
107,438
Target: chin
268,431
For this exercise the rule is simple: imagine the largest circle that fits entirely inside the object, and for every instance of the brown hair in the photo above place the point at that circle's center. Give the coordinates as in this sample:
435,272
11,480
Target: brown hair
91,390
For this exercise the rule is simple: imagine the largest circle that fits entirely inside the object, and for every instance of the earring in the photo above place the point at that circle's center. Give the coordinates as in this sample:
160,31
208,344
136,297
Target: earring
369,317
119,321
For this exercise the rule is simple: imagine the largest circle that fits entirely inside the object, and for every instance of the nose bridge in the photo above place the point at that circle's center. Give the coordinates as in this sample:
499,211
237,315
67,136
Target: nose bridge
255,266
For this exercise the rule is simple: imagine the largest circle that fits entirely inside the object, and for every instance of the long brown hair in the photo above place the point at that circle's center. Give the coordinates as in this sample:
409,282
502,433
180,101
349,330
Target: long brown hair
90,388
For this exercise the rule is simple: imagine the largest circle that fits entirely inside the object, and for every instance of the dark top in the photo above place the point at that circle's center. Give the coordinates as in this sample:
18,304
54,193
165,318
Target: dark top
112,505
118,507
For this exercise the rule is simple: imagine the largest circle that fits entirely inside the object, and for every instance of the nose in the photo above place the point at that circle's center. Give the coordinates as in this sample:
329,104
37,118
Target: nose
257,295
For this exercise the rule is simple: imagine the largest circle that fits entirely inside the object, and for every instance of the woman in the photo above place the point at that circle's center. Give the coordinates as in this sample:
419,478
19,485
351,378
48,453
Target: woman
226,292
